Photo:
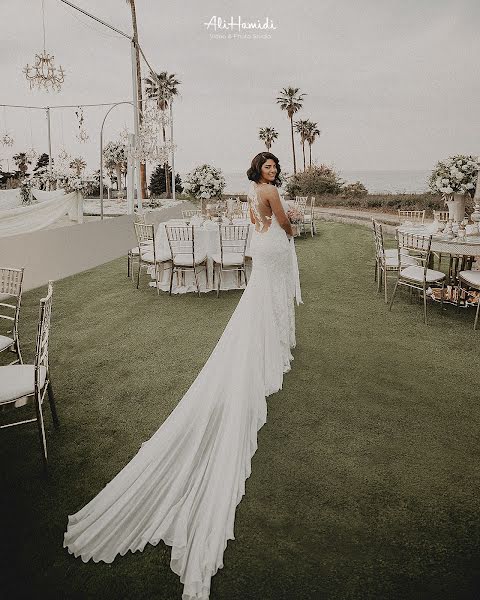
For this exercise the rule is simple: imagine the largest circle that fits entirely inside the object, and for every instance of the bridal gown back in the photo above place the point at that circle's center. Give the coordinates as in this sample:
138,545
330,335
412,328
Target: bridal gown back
185,482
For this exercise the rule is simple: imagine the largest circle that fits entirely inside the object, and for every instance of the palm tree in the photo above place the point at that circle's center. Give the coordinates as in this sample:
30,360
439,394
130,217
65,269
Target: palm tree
78,164
22,162
143,173
163,90
312,133
268,135
301,127
291,101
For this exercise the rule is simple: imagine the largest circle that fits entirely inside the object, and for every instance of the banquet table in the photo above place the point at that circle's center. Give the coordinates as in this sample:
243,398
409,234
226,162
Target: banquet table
462,252
207,241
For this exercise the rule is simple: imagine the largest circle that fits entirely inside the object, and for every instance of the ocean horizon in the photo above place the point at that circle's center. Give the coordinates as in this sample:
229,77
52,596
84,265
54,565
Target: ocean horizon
376,181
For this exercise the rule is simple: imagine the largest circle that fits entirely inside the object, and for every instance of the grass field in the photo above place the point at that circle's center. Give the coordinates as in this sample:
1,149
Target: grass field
365,484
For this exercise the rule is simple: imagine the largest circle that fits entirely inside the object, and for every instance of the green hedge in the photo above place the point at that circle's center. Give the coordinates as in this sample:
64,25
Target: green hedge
388,202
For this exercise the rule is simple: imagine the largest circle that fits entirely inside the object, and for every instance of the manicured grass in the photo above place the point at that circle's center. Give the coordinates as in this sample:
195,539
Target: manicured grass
365,482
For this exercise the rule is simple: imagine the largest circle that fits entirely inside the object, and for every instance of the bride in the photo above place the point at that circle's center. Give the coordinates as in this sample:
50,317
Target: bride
185,482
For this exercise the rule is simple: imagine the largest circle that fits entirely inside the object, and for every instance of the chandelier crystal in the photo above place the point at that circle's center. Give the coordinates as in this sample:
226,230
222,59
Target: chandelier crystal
148,146
31,154
44,75
7,139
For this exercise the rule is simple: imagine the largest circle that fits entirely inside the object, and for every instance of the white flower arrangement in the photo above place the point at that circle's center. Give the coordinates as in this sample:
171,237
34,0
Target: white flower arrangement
456,174
205,182
66,179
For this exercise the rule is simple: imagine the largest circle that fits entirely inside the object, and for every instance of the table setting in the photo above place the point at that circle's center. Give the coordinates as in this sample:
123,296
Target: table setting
207,242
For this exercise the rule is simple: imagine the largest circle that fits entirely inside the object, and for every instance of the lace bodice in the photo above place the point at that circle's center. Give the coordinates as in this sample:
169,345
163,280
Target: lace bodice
262,212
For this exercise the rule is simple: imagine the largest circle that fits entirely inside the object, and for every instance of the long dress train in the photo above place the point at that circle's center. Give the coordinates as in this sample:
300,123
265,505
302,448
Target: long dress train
185,482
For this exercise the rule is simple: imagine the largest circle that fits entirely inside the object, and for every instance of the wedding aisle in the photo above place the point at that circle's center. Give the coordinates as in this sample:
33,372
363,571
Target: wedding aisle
364,482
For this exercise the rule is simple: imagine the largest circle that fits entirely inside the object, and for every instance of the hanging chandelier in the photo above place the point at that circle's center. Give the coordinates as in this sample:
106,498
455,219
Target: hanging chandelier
7,139
31,154
44,74
63,156
148,146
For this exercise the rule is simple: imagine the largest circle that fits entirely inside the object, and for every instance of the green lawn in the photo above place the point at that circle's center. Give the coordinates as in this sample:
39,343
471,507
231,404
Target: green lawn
366,479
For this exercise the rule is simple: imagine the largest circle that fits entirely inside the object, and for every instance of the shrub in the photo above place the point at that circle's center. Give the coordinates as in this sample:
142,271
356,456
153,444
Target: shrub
354,190
315,180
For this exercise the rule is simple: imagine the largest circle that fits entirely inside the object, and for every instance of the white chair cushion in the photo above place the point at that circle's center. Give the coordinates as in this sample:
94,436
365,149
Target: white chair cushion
391,252
148,257
471,277
5,342
18,380
392,261
416,274
230,259
186,260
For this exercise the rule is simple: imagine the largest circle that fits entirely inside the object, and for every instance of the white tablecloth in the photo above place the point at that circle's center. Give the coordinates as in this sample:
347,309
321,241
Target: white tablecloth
470,246
207,241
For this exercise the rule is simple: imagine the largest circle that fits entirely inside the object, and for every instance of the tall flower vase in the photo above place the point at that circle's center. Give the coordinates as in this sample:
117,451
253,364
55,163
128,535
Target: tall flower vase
456,207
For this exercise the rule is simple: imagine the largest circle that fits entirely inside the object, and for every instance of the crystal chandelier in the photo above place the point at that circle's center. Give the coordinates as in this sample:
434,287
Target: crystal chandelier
7,139
63,156
148,147
31,154
44,74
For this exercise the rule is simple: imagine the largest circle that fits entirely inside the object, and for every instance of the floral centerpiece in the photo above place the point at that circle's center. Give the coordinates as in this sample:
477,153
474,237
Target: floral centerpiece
456,174
454,178
205,182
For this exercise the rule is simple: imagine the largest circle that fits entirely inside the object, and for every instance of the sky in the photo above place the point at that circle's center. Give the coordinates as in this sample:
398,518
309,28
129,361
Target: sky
392,84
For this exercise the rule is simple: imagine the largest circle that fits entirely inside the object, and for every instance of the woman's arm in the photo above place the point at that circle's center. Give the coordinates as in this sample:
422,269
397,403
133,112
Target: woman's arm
271,195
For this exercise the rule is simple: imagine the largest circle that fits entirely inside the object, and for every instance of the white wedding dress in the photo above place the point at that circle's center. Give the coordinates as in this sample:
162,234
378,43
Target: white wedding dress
185,482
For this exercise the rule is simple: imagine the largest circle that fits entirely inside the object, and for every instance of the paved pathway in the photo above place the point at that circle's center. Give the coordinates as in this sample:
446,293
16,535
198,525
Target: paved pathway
359,217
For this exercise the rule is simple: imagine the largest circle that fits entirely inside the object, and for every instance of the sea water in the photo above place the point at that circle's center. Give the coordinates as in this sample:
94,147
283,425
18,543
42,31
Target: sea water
376,182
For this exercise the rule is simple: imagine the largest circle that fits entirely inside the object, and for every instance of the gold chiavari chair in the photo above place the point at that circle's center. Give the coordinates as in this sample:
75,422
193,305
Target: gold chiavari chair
233,244
20,383
133,253
419,276
309,217
414,216
188,214
441,216
184,256
386,259
469,280
11,283
300,204
148,254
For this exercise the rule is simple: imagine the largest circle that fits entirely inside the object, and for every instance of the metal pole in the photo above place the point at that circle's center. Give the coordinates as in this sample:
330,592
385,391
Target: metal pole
173,150
136,122
49,148
101,169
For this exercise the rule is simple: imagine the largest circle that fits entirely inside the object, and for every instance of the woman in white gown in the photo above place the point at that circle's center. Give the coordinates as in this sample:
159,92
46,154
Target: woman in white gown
185,482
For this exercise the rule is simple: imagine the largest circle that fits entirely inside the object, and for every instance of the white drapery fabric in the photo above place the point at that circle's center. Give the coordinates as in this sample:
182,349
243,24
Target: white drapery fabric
16,218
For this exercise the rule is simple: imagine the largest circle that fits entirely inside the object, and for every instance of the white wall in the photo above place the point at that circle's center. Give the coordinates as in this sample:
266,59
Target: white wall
57,253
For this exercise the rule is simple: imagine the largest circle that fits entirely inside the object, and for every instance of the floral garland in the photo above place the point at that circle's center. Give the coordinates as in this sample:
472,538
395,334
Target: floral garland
456,174
205,182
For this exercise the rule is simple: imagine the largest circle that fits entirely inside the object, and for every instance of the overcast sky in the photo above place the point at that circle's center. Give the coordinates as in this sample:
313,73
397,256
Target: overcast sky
392,84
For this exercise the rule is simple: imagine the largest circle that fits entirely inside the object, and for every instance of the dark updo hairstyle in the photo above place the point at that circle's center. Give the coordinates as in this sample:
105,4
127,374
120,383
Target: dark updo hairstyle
255,171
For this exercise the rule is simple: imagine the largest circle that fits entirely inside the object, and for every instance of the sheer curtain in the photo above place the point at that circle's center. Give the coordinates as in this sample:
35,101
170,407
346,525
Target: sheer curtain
16,218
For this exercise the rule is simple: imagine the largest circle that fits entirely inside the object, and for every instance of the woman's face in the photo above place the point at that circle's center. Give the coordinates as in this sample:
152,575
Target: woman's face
269,171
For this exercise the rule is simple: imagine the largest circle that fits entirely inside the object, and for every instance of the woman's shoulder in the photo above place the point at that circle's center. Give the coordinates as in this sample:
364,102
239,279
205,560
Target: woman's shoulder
267,192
